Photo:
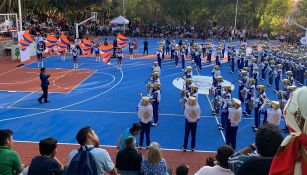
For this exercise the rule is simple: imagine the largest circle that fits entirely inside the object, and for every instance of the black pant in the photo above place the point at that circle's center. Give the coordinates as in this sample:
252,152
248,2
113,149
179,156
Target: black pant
145,51
45,94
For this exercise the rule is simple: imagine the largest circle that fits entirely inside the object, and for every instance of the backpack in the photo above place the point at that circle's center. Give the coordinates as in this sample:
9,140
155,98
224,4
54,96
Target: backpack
83,163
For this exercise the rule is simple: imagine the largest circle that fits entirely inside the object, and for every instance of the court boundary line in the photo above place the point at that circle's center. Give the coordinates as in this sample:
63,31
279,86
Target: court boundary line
63,107
82,81
112,146
91,88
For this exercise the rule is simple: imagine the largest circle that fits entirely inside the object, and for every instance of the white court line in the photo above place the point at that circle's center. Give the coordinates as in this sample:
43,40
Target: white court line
37,90
111,146
217,121
57,109
110,112
82,81
96,87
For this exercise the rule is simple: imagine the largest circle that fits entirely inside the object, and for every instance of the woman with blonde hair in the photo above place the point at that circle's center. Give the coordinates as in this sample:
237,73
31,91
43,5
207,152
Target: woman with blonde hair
154,164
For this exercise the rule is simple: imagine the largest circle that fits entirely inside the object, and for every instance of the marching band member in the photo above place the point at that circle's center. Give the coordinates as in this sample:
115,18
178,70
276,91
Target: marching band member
39,53
159,57
183,59
151,80
289,76
209,52
176,56
192,115
218,56
256,75
217,95
119,57
259,100
226,101
187,73
271,69
278,75
194,91
75,54
145,114
232,55
264,66
273,114
234,118
156,68
96,52
242,83
185,93
173,47
215,73
251,88
155,98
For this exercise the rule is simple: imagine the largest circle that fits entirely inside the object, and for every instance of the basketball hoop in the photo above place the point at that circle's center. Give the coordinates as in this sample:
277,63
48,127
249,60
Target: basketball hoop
8,22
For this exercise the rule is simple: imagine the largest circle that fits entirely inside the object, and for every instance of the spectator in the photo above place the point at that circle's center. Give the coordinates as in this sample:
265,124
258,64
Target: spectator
267,141
154,164
182,170
133,131
87,137
128,160
9,159
223,153
46,163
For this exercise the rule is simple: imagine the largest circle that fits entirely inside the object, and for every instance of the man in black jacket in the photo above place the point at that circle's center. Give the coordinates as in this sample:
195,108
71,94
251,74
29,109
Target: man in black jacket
129,159
44,76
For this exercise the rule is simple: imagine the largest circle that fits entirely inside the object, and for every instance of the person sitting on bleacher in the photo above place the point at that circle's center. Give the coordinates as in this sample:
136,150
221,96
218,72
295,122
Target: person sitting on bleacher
46,163
9,159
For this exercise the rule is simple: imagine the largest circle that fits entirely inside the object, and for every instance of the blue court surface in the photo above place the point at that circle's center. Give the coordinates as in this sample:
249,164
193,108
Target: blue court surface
107,101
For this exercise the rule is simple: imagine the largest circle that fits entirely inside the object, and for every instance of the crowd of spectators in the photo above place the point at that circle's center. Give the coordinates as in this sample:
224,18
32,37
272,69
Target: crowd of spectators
255,159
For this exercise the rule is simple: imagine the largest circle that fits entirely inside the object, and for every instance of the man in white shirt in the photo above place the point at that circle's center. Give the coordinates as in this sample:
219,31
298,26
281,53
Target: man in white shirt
234,118
273,114
192,115
222,155
87,137
145,114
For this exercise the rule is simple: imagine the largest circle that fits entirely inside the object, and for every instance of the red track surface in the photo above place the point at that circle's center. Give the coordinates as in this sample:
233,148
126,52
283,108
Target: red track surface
13,78
173,158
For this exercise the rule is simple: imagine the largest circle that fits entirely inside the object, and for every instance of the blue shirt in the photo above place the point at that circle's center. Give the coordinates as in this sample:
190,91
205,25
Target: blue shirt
123,139
154,169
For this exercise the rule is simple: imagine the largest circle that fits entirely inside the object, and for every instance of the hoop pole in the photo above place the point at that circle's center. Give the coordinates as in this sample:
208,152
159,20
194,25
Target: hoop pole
77,30
20,15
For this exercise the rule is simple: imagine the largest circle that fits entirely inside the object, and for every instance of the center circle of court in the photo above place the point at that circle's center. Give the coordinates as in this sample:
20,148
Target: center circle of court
203,83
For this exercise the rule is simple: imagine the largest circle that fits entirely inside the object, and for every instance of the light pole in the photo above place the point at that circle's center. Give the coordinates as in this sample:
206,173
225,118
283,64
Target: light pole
124,16
236,14
20,15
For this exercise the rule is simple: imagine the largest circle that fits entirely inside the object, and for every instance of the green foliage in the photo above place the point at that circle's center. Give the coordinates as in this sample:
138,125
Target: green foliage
266,14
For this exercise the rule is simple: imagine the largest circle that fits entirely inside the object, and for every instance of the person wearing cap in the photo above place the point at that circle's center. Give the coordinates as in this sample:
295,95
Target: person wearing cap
187,73
256,75
39,53
217,95
271,69
215,73
273,114
278,74
234,118
258,101
145,114
242,83
155,97
289,76
183,59
156,68
176,56
154,78
192,115
264,66
250,94
173,46
226,102
44,76
194,91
